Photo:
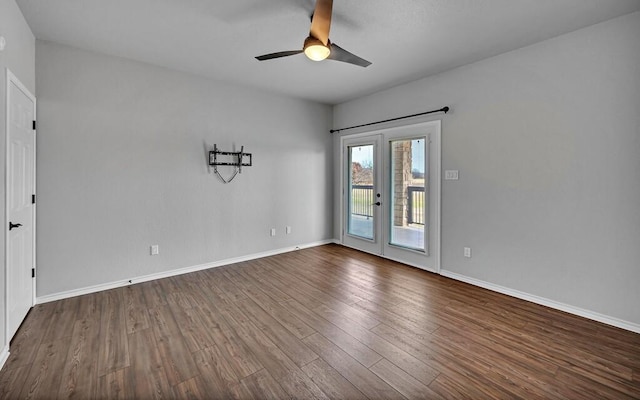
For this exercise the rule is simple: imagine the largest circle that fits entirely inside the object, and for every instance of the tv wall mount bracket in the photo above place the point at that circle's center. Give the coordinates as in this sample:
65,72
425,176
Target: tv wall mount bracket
236,159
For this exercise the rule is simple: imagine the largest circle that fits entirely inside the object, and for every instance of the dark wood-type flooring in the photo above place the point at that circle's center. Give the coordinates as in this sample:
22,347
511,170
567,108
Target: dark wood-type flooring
326,322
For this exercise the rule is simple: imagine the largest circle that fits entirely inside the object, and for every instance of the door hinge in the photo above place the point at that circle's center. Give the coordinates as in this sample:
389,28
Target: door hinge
33,199
33,272
34,124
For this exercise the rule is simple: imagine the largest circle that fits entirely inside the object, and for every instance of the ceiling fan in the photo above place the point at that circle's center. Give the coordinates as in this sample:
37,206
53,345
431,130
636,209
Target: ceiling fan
317,46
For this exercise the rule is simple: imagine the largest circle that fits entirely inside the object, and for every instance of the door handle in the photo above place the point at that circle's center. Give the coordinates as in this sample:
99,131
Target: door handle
12,225
377,203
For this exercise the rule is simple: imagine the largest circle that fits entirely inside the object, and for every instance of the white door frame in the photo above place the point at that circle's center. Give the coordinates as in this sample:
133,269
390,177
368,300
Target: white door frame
436,182
12,79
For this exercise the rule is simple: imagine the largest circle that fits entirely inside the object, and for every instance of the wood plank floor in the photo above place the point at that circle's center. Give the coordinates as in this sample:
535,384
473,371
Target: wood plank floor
326,322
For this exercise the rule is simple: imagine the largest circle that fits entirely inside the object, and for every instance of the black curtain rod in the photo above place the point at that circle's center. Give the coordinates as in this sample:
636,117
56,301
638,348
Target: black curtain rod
443,109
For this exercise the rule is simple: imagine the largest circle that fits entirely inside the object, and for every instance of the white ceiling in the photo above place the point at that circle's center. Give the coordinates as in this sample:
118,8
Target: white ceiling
404,39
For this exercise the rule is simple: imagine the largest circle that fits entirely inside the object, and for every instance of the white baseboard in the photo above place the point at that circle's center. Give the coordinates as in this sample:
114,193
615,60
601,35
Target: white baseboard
4,354
166,274
630,326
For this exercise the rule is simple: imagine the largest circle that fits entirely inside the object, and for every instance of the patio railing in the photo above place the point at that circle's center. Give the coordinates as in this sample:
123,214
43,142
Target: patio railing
362,202
415,205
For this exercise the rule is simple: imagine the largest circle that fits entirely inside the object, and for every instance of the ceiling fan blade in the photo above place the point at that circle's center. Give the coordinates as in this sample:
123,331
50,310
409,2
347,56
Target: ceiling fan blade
340,54
321,20
278,55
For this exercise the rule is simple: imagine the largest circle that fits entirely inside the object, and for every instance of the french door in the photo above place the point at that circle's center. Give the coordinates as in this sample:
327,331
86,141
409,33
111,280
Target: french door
363,193
391,194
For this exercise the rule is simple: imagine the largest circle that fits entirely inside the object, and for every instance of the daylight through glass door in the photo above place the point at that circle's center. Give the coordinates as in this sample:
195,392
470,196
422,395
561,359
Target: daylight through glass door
361,196
408,220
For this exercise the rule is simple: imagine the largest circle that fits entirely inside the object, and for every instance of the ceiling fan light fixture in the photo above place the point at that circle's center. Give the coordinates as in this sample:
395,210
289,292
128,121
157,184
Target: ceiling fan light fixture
315,50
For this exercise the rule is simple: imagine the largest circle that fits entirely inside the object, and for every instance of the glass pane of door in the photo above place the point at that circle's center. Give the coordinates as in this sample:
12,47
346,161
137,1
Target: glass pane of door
360,192
408,216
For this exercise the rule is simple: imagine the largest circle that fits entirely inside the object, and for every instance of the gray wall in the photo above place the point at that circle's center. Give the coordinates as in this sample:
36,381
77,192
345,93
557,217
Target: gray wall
19,57
547,141
122,166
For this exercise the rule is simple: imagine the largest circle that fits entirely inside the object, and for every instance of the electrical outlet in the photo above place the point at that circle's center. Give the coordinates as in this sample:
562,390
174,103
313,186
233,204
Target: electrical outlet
155,250
287,230
451,175
467,252
273,232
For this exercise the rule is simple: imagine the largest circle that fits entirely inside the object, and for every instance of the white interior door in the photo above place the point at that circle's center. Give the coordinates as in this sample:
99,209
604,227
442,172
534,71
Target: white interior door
20,192
391,193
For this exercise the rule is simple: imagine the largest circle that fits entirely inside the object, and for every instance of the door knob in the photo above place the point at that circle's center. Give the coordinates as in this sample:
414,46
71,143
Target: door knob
377,203
12,225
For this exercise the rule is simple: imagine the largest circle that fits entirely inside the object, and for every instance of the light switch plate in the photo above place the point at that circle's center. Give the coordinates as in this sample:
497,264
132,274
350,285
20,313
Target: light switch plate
451,175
